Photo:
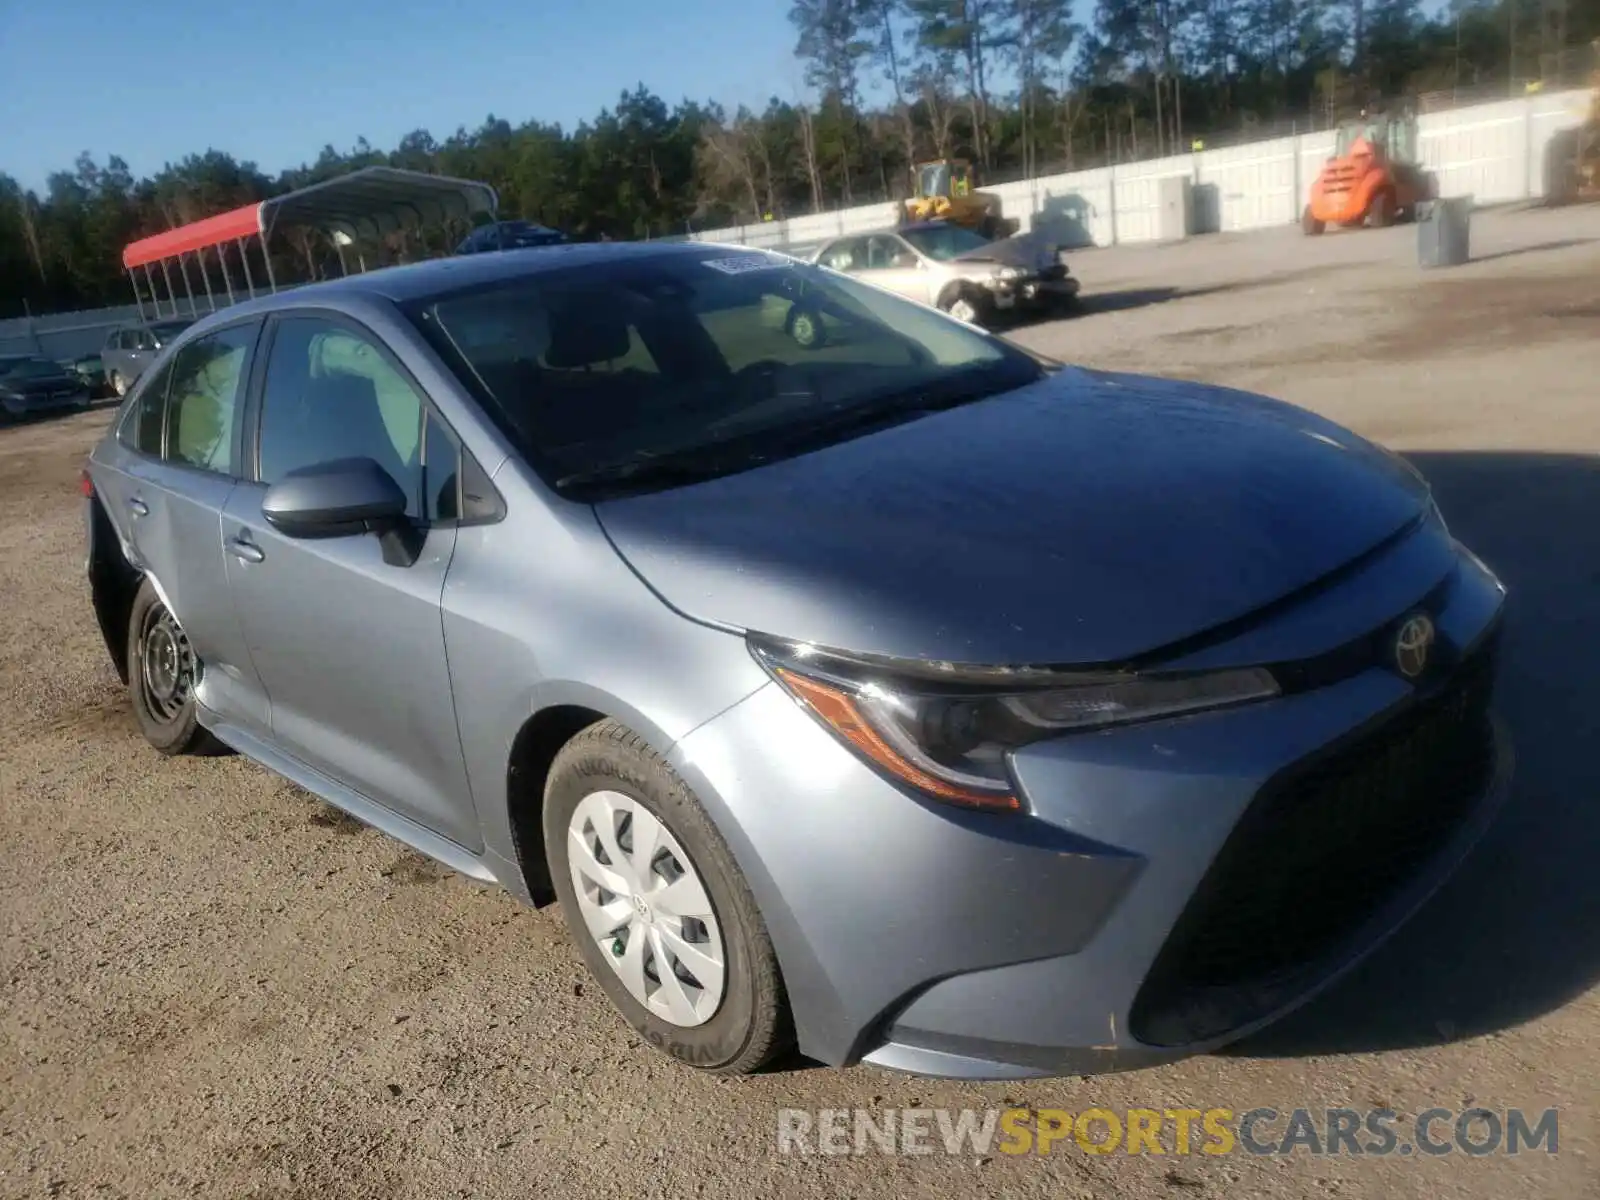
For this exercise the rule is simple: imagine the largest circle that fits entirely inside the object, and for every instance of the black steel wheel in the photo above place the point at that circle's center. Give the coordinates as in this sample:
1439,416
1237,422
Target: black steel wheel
162,673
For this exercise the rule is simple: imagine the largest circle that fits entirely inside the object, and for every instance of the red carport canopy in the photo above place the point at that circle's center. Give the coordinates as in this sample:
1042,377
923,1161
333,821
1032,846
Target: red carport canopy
197,235
370,202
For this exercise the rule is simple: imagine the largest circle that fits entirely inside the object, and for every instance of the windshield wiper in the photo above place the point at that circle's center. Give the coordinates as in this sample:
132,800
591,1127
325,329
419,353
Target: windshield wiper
688,466
708,460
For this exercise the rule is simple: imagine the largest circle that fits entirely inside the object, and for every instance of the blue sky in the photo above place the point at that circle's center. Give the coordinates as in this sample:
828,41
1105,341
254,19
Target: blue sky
275,80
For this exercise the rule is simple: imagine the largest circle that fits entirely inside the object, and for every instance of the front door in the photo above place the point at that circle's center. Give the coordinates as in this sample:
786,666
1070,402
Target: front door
349,647
894,266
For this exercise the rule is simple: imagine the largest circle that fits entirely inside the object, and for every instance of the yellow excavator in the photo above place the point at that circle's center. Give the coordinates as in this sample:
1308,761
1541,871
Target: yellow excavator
946,189
1572,156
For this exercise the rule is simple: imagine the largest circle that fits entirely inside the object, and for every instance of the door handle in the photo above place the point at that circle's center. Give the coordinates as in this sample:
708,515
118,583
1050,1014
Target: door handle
138,507
245,550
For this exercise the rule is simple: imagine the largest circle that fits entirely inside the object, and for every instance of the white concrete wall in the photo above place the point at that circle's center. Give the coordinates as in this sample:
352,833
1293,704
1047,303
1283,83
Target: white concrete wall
1491,152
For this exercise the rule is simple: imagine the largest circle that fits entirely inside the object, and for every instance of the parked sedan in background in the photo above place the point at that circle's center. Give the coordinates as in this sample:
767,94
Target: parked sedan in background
510,235
91,369
910,696
30,385
969,276
133,347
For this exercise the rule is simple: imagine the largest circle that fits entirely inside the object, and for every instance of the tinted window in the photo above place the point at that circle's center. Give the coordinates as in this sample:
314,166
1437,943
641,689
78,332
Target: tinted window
329,394
622,362
207,376
441,474
141,430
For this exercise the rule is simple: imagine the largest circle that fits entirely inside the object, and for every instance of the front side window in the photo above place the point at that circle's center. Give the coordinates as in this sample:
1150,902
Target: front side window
331,393
207,378
638,362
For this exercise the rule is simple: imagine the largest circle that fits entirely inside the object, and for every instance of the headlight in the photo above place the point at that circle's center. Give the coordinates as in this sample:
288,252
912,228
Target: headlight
947,731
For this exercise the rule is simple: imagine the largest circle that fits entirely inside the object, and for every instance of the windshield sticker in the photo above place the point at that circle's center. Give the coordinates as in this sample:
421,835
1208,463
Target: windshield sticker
747,262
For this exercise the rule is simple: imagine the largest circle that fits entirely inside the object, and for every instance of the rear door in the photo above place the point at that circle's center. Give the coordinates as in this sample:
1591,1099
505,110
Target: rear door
350,647
178,449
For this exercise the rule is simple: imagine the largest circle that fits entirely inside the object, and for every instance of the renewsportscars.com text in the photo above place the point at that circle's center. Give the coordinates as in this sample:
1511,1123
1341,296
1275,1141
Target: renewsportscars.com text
1377,1132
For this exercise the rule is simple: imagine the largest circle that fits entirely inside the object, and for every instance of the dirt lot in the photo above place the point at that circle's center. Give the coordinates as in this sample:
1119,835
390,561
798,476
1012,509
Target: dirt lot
211,985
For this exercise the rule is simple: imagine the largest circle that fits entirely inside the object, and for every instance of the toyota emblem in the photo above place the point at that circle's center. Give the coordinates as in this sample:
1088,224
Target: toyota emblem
1413,644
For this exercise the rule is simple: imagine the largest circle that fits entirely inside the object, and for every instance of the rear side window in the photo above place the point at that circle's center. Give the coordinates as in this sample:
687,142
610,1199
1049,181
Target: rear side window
207,376
141,428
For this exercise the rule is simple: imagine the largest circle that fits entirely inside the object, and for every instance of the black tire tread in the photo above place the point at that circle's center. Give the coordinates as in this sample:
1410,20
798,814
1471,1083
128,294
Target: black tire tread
619,752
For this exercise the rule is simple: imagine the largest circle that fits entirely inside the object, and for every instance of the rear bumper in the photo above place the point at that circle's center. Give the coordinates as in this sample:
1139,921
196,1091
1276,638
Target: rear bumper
924,938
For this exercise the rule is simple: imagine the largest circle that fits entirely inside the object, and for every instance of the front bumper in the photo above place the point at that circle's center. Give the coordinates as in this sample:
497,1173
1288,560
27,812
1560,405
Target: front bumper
1034,292
925,938
27,404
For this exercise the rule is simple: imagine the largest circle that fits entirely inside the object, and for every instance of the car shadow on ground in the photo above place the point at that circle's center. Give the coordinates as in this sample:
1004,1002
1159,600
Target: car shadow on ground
1542,247
1514,935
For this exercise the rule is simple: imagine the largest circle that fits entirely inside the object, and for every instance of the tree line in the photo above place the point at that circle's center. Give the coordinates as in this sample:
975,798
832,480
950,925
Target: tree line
1018,87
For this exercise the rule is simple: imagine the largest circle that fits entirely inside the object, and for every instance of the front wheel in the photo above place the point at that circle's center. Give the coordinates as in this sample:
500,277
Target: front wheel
661,913
1309,224
964,307
162,673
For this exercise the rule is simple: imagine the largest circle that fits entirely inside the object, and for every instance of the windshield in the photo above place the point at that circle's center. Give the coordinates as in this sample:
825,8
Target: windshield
944,242
1350,134
737,358
934,179
27,368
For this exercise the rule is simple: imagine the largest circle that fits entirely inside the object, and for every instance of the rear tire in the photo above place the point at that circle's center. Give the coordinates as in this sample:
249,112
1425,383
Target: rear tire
1310,225
730,1015
162,672
804,325
1381,214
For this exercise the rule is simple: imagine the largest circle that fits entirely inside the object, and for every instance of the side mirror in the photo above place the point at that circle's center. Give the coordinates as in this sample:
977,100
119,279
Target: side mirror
334,499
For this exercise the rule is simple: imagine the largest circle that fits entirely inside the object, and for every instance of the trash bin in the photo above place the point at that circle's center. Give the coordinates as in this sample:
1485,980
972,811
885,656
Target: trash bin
1444,232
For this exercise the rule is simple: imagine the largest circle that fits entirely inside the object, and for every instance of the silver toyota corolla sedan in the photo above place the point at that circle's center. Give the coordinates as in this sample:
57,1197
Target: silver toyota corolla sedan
894,693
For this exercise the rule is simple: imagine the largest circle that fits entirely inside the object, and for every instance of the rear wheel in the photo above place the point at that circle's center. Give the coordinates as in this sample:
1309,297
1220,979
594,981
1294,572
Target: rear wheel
1309,224
805,327
1381,213
162,673
661,913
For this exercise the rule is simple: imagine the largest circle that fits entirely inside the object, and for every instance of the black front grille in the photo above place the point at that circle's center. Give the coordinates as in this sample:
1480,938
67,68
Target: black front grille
1318,852
1053,273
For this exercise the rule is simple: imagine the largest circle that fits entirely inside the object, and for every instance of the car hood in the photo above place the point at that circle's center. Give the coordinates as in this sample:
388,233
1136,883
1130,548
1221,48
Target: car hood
1087,518
1023,250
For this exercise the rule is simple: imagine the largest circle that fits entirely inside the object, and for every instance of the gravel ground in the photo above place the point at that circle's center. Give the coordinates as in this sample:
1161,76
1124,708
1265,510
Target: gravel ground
212,985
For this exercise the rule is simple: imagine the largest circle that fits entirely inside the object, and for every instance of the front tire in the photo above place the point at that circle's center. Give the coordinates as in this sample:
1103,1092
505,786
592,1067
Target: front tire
162,672
964,306
1310,225
661,913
